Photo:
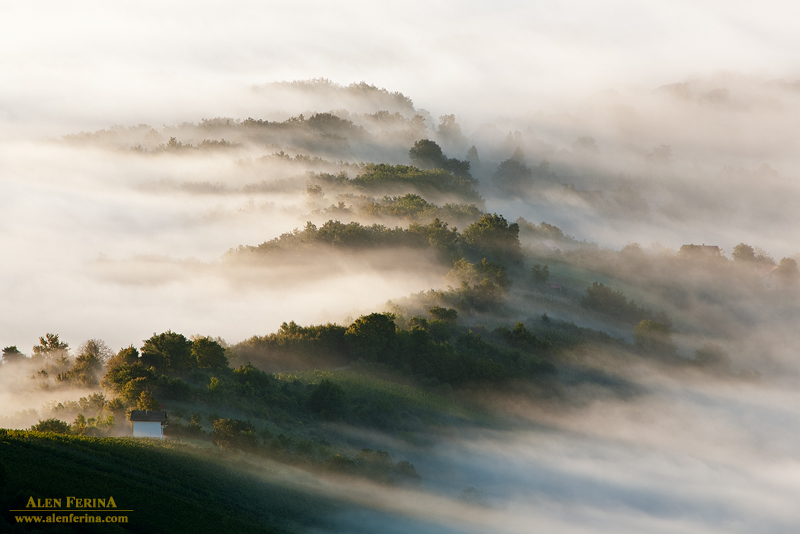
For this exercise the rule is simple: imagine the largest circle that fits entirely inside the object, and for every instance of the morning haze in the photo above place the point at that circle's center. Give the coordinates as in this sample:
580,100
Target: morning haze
404,269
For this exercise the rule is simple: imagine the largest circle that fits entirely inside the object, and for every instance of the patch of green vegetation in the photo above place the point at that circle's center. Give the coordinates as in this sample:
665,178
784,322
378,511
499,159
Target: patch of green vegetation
403,178
381,399
416,208
169,486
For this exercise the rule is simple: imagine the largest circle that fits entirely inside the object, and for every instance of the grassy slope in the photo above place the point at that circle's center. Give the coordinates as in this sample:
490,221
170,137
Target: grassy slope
170,487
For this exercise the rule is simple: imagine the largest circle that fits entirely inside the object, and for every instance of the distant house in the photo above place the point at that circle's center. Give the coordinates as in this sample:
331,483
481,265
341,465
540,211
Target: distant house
553,285
699,252
148,423
768,276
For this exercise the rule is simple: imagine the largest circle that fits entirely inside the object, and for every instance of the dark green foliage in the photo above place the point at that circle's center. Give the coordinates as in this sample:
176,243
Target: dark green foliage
234,434
129,380
126,356
412,206
147,402
409,205
427,154
438,180
168,352
328,400
297,347
469,360
520,338
492,237
333,125
447,315
354,235
482,286
52,425
375,465
371,337
378,466
176,429
5,476
341,465
339,235
603,299
170,487
209,354
438,237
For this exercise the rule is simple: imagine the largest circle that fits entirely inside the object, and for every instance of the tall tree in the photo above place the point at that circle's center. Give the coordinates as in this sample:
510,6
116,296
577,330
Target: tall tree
50,347
493,237
168,352
209,353
743,253
12,355
426,154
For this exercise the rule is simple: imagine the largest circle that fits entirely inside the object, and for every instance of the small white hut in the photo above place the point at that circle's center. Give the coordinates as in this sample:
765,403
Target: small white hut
148,423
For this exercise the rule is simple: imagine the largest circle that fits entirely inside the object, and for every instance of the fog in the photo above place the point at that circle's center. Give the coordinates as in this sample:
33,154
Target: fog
130,174
688,455
76,68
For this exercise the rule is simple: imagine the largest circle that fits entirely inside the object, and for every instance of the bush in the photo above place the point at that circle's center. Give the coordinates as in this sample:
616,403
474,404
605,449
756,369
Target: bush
52,425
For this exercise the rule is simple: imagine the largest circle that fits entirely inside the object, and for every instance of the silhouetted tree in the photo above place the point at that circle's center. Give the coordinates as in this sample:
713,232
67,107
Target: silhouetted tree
168,352
426,154
494,237
371,337
12,355
743,253
126,356
209,353
50,347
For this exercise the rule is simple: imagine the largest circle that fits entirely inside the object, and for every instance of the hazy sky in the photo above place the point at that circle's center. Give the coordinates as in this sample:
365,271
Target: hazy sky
88,64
